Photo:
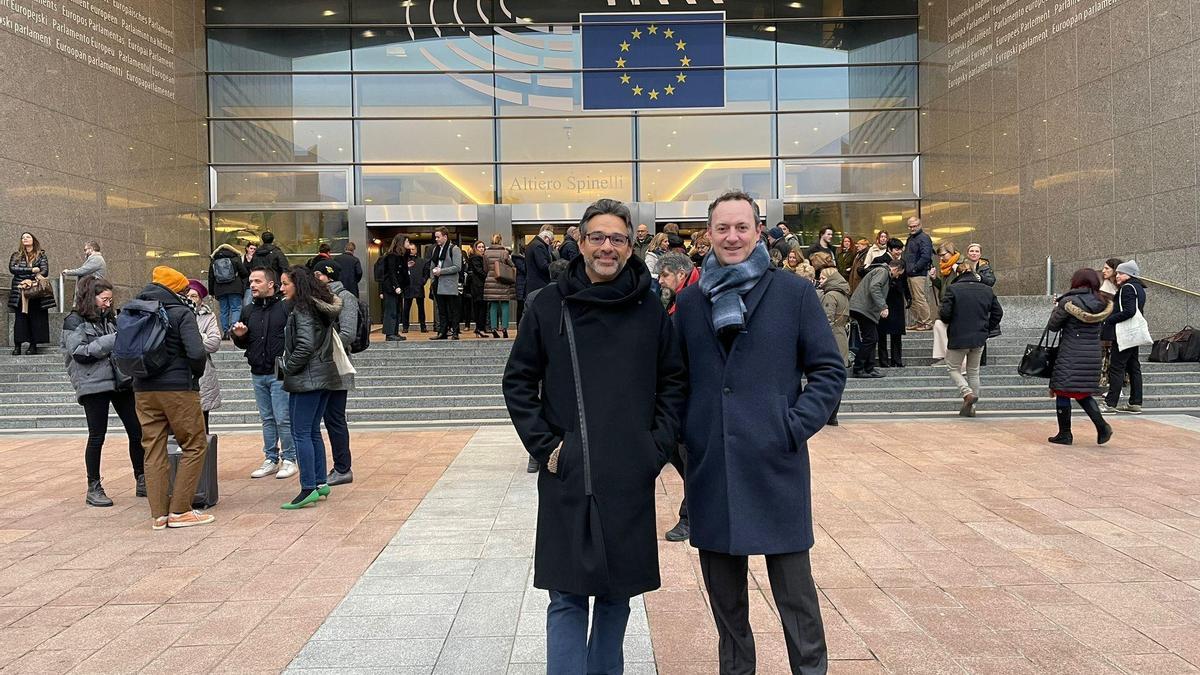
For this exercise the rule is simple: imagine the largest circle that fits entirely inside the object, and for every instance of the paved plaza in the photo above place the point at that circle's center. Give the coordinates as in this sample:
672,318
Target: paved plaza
942,546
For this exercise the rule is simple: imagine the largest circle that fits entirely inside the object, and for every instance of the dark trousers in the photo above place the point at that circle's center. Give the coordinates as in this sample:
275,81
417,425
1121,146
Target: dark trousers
795,597
893,354
406,312
479,309
391,314
447,307
679,461
569,648
339,432
868,332
95,410
1122,364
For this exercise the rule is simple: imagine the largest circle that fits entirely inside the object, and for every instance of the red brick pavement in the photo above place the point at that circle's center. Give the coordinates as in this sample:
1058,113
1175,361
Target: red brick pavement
975,546
96,590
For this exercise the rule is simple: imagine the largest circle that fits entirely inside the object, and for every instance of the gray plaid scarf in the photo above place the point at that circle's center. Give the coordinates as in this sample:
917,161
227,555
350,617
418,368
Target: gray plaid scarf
726,285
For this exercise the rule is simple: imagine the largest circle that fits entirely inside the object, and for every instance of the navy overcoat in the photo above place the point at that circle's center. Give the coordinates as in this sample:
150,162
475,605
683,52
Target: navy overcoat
749,416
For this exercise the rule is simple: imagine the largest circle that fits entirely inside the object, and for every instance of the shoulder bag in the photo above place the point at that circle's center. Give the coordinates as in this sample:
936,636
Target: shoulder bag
1134,332
1038,360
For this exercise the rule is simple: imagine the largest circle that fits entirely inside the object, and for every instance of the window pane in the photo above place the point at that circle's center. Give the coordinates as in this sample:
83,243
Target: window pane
299,141
703,181
690,137
278,49
457,184
860,220
855,133
396,11
839,88
538,48
750,44
848,177
568,138
425,140
292,11
420,49
749,90
847,42
236,187
297,233
279,95
572,183
450,95
789,9
542,94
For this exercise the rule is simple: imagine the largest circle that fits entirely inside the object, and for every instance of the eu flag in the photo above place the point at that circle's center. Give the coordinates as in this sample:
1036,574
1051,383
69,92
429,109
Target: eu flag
653,61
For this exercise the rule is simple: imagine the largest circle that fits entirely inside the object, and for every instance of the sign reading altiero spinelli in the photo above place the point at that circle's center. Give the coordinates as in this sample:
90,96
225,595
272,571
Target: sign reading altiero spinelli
645,61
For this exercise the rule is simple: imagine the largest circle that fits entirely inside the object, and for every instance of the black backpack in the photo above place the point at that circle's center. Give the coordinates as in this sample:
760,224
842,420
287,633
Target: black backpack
362,332
224,270
141,348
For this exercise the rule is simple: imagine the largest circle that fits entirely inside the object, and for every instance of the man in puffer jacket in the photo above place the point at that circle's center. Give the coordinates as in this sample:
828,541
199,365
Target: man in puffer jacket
168,404
328,273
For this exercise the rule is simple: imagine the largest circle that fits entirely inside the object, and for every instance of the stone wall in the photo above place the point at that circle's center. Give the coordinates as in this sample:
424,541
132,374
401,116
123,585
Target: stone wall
1066,128
103,106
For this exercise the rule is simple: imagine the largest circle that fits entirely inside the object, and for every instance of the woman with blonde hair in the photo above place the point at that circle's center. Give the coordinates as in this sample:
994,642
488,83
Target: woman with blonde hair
658,246
498,294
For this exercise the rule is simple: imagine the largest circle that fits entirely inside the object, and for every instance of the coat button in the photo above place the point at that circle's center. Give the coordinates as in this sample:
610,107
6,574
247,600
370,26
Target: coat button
727,391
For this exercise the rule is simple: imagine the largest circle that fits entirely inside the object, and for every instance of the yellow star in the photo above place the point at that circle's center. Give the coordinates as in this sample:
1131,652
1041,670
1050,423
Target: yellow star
680,46
685,62
653,94
681,78
624,79
624,46
637,91
652,29
637,34
620,63
670,89
669,33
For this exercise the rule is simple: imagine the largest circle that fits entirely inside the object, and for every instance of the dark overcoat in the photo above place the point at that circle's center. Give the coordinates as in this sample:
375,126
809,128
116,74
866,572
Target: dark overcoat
749,417
596,531
20,269
1077,317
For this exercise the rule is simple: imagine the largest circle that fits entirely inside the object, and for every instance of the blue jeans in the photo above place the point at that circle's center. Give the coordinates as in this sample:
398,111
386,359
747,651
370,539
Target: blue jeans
231,310
568,647
272,403
339,432
307,409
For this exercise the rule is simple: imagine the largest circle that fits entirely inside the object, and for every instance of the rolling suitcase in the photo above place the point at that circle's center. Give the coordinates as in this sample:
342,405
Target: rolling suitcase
206,488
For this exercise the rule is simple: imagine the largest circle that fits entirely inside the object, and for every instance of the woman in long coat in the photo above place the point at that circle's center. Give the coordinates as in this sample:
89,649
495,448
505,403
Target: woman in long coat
1077,317
31,318
477,274
497,294
210,333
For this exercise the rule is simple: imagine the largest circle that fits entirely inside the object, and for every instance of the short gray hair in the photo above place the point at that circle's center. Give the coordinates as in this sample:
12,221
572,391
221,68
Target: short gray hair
735,196
675,263
92,244
606,207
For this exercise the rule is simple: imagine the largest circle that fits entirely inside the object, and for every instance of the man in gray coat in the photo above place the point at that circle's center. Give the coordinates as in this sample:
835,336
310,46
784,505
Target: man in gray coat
445,264
93,263
868,305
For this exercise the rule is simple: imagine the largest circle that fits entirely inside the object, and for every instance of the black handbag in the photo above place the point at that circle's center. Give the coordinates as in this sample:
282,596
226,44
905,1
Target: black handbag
1038,360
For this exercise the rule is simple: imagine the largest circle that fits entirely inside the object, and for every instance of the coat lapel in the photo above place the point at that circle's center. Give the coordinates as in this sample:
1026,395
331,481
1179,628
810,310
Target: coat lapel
756,294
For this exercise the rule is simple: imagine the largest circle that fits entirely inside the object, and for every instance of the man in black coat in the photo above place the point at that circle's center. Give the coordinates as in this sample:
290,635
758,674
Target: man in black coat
971,312
270,255
350,271
538,257
765,374
570,245
260,333
594,385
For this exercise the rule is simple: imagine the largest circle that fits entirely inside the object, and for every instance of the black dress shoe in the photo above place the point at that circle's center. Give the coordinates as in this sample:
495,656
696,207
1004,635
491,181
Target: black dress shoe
439,336
404,329
532,466
17,350
32,349
680,532
335,477
423,330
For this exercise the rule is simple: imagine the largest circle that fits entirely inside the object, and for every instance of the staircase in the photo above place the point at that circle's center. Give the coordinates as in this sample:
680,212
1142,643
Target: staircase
403,384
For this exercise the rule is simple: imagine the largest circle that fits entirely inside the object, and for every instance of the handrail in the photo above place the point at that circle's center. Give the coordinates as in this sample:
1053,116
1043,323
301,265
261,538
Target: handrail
1173,287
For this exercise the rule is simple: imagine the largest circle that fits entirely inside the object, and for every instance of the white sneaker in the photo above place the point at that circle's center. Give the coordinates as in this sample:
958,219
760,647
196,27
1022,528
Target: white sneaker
268,467
287,469
1107,409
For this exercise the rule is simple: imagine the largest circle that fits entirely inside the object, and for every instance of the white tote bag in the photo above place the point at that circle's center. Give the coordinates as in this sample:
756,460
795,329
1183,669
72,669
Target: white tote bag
1134,332
340,359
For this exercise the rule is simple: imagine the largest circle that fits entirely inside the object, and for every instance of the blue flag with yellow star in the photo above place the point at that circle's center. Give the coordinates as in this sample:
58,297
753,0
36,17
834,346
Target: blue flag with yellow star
651,61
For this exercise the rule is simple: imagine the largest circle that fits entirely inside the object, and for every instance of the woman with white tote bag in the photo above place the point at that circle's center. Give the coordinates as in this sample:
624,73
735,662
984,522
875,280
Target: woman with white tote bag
1132,332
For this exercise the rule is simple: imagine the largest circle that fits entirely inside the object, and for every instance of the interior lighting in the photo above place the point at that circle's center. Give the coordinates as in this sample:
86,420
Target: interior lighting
796,5
368,33
328,12
769,29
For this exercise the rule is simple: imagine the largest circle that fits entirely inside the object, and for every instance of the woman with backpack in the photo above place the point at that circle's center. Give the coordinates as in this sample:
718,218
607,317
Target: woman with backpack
210,333
309,373
499,294
88,335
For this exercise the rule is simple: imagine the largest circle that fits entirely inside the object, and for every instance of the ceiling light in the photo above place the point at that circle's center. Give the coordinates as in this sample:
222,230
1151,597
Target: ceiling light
328,12
769,29
795,5
368,33
218,8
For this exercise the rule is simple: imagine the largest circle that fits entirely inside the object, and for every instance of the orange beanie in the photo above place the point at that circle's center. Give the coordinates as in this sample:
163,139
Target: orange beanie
169,277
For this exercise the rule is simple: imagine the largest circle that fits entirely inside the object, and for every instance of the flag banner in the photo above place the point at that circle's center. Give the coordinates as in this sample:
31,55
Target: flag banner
645,61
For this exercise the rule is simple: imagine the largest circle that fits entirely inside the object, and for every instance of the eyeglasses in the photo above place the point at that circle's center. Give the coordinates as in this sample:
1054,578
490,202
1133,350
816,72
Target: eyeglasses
598,239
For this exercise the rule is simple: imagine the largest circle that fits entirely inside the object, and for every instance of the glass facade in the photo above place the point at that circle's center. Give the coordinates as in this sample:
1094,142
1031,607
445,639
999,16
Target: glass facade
383,102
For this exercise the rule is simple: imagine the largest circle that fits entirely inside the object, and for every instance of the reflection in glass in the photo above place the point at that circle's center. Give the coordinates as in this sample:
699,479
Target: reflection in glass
703,181
704,136
279,95
860,220
424,95
847,87
397,11
573,183
246,187
274,49
292,11
420,48
298,233
425,140
452,184
286,141
816,10
567,138
811,178
536,48
847,42
872,132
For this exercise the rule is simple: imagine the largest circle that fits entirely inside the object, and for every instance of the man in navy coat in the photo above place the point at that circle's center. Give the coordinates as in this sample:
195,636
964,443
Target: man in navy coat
765,374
